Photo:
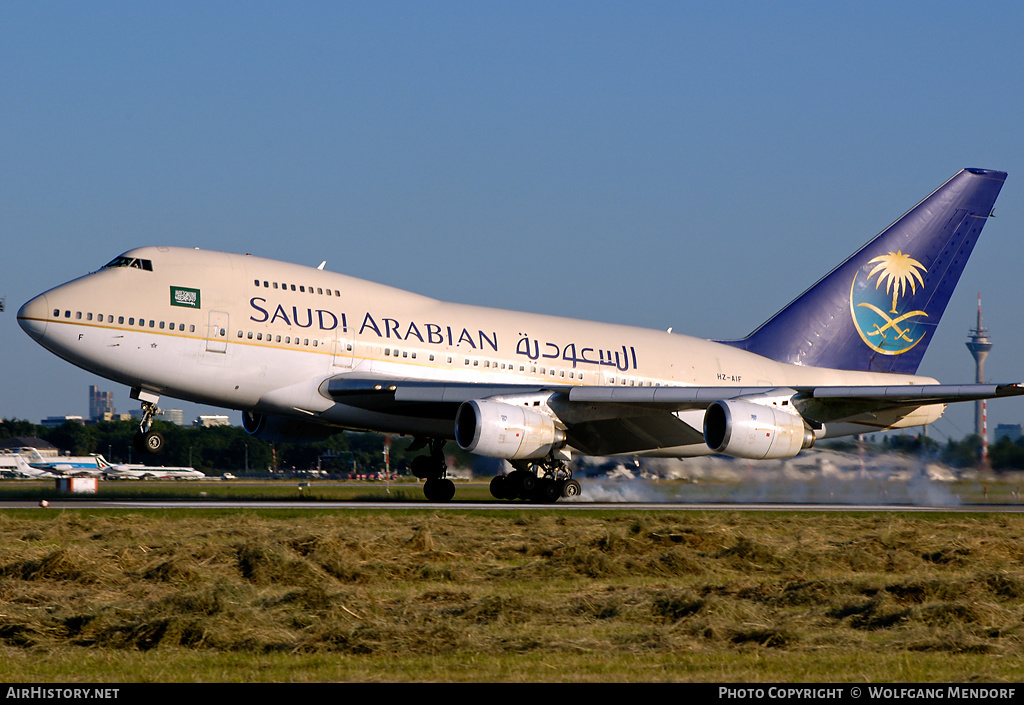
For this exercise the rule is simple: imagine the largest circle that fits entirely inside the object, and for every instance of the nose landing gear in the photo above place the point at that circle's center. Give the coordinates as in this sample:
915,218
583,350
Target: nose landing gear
147,440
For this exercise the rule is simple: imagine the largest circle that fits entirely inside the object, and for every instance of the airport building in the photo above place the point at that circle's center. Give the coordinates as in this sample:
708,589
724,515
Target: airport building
174,416
211,421
20,443
101,404
1012,431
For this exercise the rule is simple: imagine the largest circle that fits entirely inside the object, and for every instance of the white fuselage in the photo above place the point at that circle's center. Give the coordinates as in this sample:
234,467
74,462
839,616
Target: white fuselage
261,335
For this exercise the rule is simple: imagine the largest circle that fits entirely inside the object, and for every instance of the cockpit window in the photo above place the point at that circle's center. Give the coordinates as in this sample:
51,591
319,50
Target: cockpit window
135,262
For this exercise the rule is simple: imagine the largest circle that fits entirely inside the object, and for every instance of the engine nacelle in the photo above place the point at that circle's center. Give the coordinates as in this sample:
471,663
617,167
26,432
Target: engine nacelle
744,429
499,430
283,428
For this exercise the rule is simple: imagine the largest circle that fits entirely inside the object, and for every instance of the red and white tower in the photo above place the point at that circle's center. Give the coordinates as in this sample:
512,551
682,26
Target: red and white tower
979,346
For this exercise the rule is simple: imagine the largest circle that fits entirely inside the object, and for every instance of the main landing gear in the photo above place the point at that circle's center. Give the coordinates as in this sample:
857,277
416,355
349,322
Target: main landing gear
433,469
545,481
147,440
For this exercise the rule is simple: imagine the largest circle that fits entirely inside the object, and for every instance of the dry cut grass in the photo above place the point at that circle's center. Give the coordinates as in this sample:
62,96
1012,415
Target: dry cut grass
512,596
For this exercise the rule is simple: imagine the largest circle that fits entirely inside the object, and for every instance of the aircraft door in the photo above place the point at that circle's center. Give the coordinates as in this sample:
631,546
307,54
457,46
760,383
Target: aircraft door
217,332
344,343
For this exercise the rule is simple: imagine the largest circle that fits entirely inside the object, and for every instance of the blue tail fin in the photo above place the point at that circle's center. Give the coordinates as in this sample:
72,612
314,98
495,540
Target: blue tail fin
878,310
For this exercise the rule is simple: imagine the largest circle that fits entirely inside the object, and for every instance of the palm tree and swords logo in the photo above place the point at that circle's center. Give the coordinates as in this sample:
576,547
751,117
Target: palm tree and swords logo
880,320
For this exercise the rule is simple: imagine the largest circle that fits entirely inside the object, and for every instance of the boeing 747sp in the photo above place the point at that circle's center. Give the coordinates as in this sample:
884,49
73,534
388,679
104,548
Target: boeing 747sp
302,351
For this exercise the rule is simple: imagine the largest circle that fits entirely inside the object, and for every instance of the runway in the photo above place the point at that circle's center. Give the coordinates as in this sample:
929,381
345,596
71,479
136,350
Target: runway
56,505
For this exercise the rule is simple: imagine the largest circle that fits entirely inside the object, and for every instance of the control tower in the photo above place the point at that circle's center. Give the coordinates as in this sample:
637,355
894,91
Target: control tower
979,345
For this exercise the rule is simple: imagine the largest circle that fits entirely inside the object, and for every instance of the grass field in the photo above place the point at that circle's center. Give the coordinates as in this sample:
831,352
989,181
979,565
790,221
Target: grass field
509,595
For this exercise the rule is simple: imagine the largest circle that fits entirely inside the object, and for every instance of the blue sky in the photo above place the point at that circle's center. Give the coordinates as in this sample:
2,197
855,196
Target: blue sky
693,165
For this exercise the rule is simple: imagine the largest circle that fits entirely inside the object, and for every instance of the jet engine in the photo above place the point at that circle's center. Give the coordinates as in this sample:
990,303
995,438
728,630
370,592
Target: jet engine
744,429
499,430
283,428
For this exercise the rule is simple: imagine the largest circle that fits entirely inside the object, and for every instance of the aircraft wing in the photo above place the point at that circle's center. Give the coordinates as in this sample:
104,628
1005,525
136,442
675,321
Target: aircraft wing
609,420
398,391
895,395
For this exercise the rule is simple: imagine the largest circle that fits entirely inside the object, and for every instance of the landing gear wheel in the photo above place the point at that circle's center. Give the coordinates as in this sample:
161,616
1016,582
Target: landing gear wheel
423,467
439,489
547,491
571,488
151,442
527,484
497,487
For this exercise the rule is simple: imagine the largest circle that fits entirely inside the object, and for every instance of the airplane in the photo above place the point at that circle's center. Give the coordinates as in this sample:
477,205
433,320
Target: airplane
63,465
14,465
126,471
303,352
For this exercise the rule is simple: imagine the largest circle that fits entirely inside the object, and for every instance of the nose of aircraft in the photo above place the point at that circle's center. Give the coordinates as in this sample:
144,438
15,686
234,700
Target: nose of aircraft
32,317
